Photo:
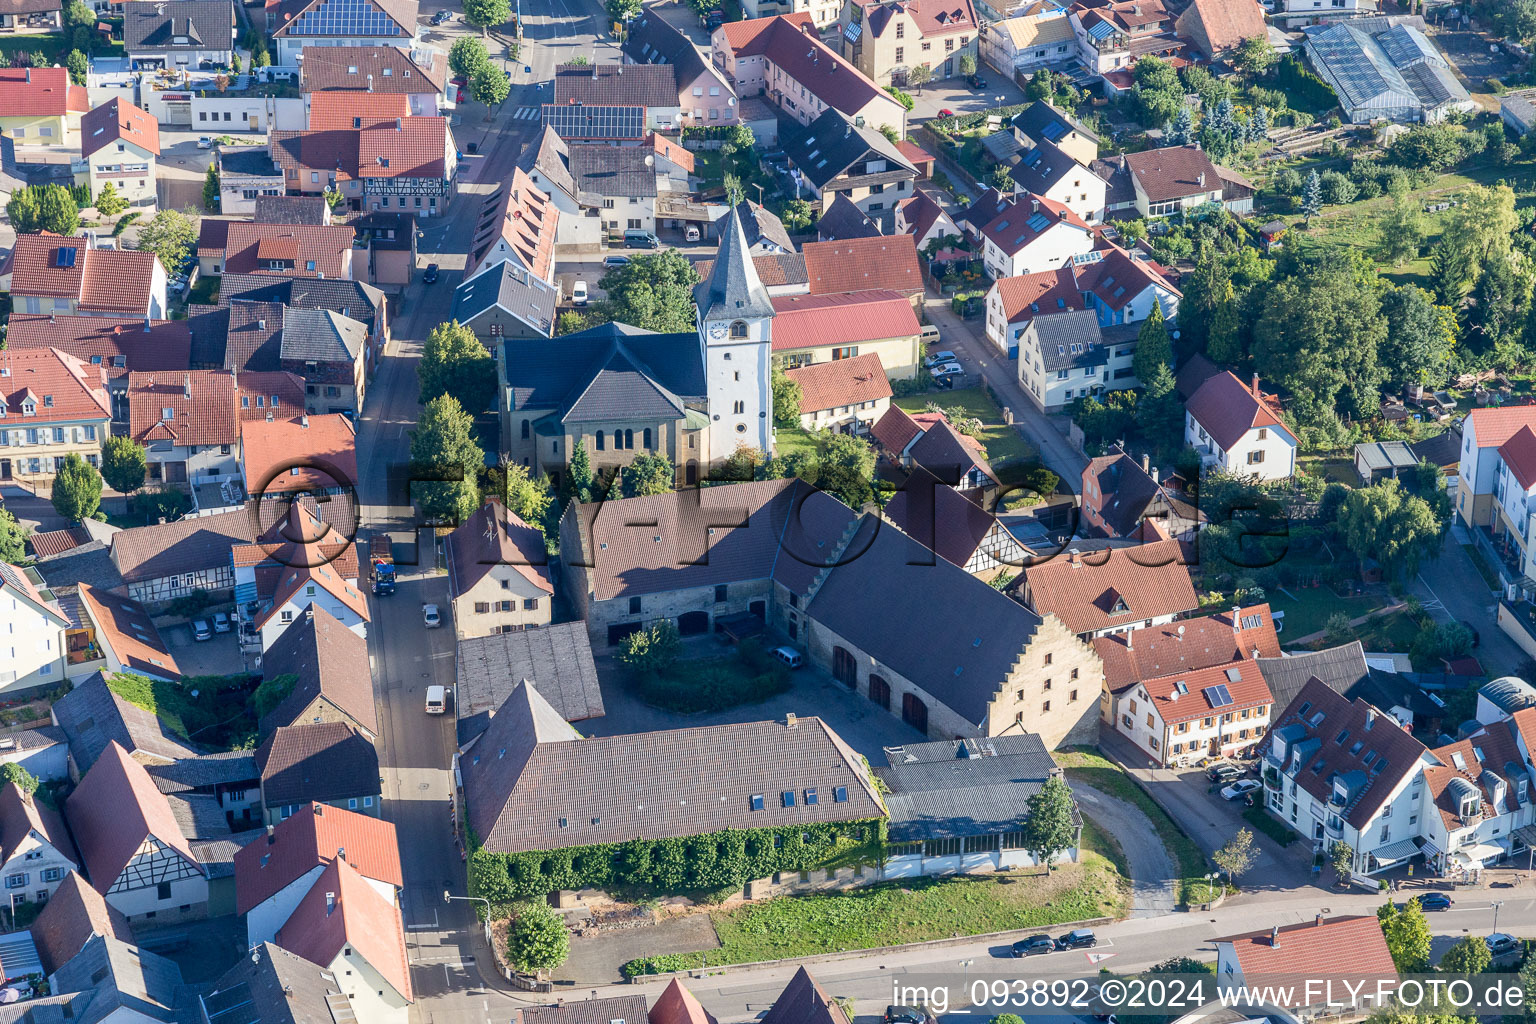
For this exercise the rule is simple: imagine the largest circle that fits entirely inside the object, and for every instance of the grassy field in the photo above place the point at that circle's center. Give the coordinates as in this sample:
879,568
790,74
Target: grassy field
1087,765
52,45
1308,610
746,676
205,291
1004,444
1393,633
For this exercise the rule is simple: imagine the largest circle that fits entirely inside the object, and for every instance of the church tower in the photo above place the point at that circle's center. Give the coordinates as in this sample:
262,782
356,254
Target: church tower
735,320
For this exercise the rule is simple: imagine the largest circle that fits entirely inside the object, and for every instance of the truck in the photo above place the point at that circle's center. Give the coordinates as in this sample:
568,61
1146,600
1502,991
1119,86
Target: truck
381,560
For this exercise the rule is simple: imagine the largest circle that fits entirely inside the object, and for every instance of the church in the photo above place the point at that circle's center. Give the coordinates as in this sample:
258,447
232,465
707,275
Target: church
622,391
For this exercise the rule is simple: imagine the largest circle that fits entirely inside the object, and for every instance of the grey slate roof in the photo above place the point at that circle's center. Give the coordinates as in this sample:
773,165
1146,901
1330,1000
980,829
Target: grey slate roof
1043,122
276,987
842,220
612,371
612,171
558,658
765,232
971,634
1341,669
1041,167
250,160
198,815
1386,455
93,716
733,289
531,783
629,1009
653,40
289,210
1059,332
616,85
322,336
321,761
964,787
832,143
551,157
354,299
1444,449
121,975
89,563
207,25
529,298
205,771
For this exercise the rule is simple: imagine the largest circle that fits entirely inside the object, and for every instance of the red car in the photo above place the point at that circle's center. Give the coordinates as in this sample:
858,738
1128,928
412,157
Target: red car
946,112
462,85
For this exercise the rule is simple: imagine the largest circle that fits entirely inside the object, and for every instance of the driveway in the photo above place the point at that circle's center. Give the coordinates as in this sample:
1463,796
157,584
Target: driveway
954,94
1451,589
596,959
33,513
219,656
1150,864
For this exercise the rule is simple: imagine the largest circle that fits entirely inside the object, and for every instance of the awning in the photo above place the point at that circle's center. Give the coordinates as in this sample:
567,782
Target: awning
1527,835
1392,853
1477,853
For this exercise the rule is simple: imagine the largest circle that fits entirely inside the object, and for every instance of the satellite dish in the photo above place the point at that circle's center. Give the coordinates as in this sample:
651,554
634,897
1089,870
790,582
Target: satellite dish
1181,631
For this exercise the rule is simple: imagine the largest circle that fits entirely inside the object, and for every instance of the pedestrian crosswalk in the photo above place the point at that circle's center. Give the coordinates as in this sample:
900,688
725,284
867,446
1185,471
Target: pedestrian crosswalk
526,114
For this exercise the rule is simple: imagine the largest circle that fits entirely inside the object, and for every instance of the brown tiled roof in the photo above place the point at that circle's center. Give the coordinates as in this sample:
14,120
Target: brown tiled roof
1115,586
1491,752
612,1010
933,20
677,1005
15,579
117,120
170,549
842,381
333,110
249,246
1228,409
39,92
113,810
808,321
410,147
22,815
493,536
792,45
525,218
314,835
61,388
1010,229
531,783
616,85
123,625
54,542
392,68
319,929
670,150
330,661
37,270
895,429
1315,949
1117,279
166,345
804,1001
773,269
945,451
947,520
1173,172
1048,291
73,914
745,34
913,152
857,264
1180,697
1195,371
117,280
1216,26
213,237
278,389
201,404
292,455
317,761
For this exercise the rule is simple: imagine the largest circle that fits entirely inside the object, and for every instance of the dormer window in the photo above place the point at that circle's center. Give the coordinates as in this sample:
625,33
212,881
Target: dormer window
167,413
29,408
1471,806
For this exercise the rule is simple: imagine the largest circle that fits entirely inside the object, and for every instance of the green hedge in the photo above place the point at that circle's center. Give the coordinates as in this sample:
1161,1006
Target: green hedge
665,963
714,860
1303,87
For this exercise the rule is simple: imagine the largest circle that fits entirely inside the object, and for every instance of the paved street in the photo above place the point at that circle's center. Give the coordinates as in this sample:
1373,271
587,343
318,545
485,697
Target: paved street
1452,589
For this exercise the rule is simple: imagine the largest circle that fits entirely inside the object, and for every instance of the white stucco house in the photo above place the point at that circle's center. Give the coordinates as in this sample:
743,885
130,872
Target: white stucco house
31,633
1236,427
35,851
1025,234
316,585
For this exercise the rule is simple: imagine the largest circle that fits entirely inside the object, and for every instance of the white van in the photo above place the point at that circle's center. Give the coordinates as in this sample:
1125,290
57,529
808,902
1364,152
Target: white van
930,334
789,656
579,293
437,700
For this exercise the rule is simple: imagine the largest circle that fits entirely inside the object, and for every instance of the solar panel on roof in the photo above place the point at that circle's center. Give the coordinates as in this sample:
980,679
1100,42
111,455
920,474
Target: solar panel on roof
1039,222
1032,157
578,121
1053,130
231,1006
1217,696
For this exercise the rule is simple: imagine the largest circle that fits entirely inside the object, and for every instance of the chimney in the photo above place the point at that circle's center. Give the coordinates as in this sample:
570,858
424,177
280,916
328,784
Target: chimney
288,991
399,124
1256,392
370,81
1319,920
1370,718
116,328
1237,618
1061,214
146,325
304,421
1274,937
1130,639
341,852
1200,179
790,722
261,325
186,385
330,903
1075,558
1146,460
271,834
1034,206
29,76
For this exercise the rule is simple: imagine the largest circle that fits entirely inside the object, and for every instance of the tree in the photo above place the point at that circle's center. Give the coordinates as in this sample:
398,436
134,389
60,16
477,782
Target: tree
1312,196
13,772
651,651
1450,270
490,85
1001,178
1406,932
1181,130
919,76
1469,956
1402,227
109,203
1338,190
1237,856
123,463
653,291
1159,412
76,489
648,474
1387,523
621,10
845,467
1255,56
466,56
1224,342
170,236
1342,858
13,547
1500,306
262,58
578,475
1483,222
1153,346
79,66
1049,828
1416,349
235,64
43,208
1434,147
537,939
455,362
967,64
525,497
796,215
742,136
579,61
483,14
787,396
443,446
210,190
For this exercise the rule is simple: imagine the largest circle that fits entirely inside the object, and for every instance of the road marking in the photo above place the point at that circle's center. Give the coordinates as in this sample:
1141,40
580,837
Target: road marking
445,654
526,114
1094,958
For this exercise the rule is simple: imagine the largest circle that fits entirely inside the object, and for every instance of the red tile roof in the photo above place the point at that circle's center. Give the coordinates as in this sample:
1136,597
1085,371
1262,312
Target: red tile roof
1117,279
118,280
855,264
1048,291
1215,26
36,268
522,215
677,1005
913,152
117,120
21,814
314,570
1492,749
55,542
61,388
314,836
743,34
1495,426
670,150
123,625
40,92
841,381
320,927
304,453
73,914
791,44
1228,409
1011,230
409,147
1112,587
895,429
1173,172
1153,651
114,809
347,68
1319,949
920,212
805,321
200,403
165,345
490,537
331,110
1180,697
278,389
250,246
1519,454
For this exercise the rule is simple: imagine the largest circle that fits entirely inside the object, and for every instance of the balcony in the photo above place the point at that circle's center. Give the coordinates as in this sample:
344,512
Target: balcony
1271,775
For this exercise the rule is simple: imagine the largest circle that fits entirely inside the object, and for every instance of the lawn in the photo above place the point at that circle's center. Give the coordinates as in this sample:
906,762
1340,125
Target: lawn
205,292
1307,610
1003,443
915,910
745,676
1087,765
1393,633
1261,820
53,46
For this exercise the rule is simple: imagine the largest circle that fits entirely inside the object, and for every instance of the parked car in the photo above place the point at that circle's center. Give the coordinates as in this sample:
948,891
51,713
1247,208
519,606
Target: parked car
975,81
221,622
945,370
615,261
789,656
437,700
1433,901
431,616
1034,946
946,112
940,358
430,277
905,1015
579,293
1241,788
442,17
637,239
205,142
1224,772
1500,943
1082,938
201,630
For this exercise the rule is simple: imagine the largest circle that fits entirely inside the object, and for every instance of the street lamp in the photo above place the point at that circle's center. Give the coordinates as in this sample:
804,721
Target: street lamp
449,898
966,977
1210,885
1496,904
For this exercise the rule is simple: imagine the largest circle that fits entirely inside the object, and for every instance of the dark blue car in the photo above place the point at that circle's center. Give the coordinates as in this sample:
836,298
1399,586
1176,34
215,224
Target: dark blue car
1434,901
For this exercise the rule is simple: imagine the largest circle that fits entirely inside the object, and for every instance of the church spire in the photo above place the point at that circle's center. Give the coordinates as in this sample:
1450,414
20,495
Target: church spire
733,289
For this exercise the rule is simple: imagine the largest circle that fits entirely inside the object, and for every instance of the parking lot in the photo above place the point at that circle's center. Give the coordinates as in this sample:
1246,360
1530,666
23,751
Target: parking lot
219,656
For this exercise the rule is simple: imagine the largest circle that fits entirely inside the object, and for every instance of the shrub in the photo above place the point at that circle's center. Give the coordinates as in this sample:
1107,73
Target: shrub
664,963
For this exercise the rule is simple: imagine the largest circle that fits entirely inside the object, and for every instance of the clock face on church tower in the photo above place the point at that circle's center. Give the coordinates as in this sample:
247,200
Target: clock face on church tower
717,331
